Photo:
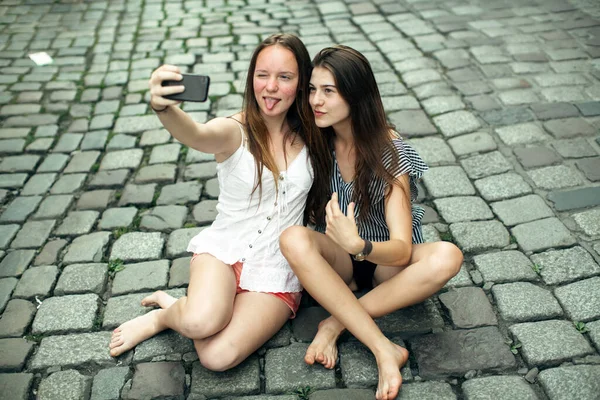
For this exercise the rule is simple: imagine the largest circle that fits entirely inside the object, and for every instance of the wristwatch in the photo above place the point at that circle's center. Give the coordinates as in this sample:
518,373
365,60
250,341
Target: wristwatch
365,251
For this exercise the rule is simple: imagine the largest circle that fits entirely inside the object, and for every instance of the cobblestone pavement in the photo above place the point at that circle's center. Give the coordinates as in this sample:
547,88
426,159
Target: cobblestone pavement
97,202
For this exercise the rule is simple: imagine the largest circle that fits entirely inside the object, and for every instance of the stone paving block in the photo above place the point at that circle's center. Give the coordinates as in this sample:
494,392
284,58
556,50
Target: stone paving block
195,156
14,352
555,177
82,278
522,134
459,280
426,390
472,143
165,153
38,184
448,181
359,367
77,223
179,274
463,208
12,181
138,246
20,208
433,150
16,318
412,123
588,222
212,188
574,148
178,241
416,78
573,199
594,332
162,173
205,212
121,159
569,127
137,194
507,116
138,277
15,386
87,248
590,167
285,371
21,163
564,266
108,383
82,161
241,380
67,143
66,314
164,218
543,342
156,380
469,307
33,234
330,394
480,235
136,124
36,282
7,232
111,178
418,319
117,217
16,262
200,171
499,388
505,266
304,326
503,186
95,200
442,104
54,206
522,209
166,344
68,184
67,385
581,300
456,123
542,234
545,111
120,142
53,163
482,165
454,353
523,301
575,381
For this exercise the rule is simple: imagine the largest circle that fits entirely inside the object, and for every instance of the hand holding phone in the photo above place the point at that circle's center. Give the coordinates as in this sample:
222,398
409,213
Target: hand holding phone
196,88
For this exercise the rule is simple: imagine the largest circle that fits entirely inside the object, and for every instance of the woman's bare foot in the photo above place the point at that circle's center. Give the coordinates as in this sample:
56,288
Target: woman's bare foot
323,348
389,362
159,298
134,331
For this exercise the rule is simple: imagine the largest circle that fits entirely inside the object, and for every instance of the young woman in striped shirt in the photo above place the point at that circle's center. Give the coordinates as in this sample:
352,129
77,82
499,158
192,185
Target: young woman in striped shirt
371,236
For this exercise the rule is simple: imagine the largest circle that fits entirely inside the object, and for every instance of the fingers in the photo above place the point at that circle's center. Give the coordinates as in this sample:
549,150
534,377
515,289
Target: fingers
158,91
351,212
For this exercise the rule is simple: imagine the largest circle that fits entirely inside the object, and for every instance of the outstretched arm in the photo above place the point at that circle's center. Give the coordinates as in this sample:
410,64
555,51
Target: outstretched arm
217,136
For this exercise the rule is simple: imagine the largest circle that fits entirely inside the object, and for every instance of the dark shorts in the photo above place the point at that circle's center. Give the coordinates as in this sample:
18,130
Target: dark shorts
363,273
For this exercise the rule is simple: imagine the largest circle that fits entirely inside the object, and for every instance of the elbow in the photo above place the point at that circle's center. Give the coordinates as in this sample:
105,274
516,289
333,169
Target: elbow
404,255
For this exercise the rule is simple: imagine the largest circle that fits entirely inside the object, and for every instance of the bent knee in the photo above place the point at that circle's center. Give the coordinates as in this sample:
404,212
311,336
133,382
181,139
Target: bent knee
446,260
218,358
200,325
295,240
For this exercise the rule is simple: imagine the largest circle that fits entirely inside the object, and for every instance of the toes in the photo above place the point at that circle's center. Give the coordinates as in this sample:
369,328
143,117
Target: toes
309,358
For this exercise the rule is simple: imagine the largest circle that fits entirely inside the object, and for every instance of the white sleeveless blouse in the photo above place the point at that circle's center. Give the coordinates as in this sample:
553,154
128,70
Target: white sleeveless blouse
247,227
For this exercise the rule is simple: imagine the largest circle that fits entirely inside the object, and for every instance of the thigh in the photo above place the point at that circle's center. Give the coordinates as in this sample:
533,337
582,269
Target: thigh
256,318
335,255
212,287
384,273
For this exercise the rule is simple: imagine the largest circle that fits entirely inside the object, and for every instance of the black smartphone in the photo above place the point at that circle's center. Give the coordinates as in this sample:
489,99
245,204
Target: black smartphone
196,88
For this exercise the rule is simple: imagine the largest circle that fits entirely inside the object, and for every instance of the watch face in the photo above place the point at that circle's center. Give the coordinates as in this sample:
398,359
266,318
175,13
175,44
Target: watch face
359,257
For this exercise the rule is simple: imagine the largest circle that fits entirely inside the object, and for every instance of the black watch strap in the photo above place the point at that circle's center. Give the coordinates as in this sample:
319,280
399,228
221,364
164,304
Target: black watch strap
368,248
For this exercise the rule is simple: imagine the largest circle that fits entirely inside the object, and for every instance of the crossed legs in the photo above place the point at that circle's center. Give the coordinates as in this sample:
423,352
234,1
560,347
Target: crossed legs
325,270
222,324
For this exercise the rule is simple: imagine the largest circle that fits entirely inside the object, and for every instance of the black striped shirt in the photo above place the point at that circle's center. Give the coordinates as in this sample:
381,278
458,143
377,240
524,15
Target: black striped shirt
374,227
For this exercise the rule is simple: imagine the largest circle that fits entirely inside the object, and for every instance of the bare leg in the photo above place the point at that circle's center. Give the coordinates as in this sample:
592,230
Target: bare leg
312,256
205,311
243,336
431,266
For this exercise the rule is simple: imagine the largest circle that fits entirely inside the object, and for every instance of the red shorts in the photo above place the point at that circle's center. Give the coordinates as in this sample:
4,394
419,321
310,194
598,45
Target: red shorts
291,299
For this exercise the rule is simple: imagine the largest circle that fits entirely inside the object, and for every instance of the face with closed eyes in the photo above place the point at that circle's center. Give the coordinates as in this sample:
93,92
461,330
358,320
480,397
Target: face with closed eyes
275,80
328,105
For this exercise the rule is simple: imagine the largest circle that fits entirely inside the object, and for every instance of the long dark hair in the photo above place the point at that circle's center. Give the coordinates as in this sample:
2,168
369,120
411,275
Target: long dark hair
355,81
300,120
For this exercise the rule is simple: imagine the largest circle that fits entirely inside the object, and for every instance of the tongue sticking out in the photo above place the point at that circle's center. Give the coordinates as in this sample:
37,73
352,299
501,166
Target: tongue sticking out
270,102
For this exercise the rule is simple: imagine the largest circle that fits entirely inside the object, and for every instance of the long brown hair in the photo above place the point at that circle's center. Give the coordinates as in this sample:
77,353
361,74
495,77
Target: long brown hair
300,120
356,83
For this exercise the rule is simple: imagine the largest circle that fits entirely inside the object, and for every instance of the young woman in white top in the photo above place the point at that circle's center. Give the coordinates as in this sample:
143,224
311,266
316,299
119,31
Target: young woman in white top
268,157
371,235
